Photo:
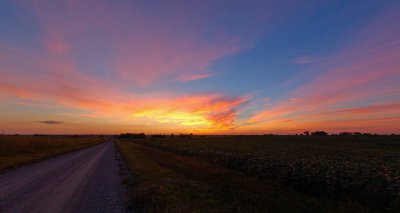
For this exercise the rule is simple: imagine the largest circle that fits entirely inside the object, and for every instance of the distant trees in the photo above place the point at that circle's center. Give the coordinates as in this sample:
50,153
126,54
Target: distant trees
345,133
154,136
185,135
323,133
172,136
315,133
158,136
319,133
354,133
132,136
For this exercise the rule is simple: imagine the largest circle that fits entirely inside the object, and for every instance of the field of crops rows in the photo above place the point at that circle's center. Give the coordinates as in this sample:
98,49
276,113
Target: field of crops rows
363,168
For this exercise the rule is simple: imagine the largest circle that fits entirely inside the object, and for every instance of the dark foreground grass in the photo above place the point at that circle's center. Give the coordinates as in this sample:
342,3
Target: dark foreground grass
19,150
364,169
168,182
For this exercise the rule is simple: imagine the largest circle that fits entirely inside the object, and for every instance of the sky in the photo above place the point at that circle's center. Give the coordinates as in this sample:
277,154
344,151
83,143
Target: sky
202,67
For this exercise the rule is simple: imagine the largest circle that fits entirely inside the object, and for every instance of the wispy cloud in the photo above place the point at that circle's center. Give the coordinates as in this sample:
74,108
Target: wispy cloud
194,77
51,122
305,60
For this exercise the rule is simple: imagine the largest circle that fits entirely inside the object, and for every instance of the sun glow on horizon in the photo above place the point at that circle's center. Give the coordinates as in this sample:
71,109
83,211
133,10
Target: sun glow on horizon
182,118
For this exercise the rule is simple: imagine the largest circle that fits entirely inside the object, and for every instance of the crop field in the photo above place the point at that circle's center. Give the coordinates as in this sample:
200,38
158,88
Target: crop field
362,170
17,150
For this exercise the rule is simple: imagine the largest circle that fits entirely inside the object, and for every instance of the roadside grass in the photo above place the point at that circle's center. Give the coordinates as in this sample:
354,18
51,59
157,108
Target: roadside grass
23,149
168,182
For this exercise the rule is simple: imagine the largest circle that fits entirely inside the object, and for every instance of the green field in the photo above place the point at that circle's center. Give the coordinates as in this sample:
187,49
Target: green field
17,150
288,173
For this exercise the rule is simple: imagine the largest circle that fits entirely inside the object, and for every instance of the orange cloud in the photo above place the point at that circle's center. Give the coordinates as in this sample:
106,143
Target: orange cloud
210,111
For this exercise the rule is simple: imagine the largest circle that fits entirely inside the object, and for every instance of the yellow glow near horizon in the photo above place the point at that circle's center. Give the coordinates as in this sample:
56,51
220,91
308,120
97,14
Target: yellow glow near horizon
182,118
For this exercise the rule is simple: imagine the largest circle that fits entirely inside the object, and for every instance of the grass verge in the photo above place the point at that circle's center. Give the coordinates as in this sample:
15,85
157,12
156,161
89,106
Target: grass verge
165,182
19,150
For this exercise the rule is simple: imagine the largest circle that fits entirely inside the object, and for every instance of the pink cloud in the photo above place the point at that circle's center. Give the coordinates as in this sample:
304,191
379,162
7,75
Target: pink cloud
194,77
145,50
377,108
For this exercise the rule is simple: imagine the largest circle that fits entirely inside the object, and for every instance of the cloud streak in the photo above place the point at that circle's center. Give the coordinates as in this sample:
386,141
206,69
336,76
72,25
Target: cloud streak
304,60
51,122
194,77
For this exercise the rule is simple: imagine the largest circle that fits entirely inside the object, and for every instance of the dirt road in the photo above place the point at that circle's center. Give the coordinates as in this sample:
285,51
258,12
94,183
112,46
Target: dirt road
87,180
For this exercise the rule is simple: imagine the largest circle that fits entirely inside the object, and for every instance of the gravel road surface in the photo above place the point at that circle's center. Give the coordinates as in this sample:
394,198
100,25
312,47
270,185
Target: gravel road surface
87,180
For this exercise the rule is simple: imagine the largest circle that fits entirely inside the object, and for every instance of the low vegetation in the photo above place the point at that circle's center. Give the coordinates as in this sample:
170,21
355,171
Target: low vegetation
362,168
16,150
169,182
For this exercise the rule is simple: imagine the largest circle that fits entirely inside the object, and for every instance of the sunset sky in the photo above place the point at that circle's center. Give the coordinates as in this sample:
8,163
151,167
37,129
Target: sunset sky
206,67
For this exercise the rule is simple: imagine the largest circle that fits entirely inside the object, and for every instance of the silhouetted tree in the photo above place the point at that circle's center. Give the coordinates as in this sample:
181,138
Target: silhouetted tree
345,133
319,133
307,133
185,135
158,136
